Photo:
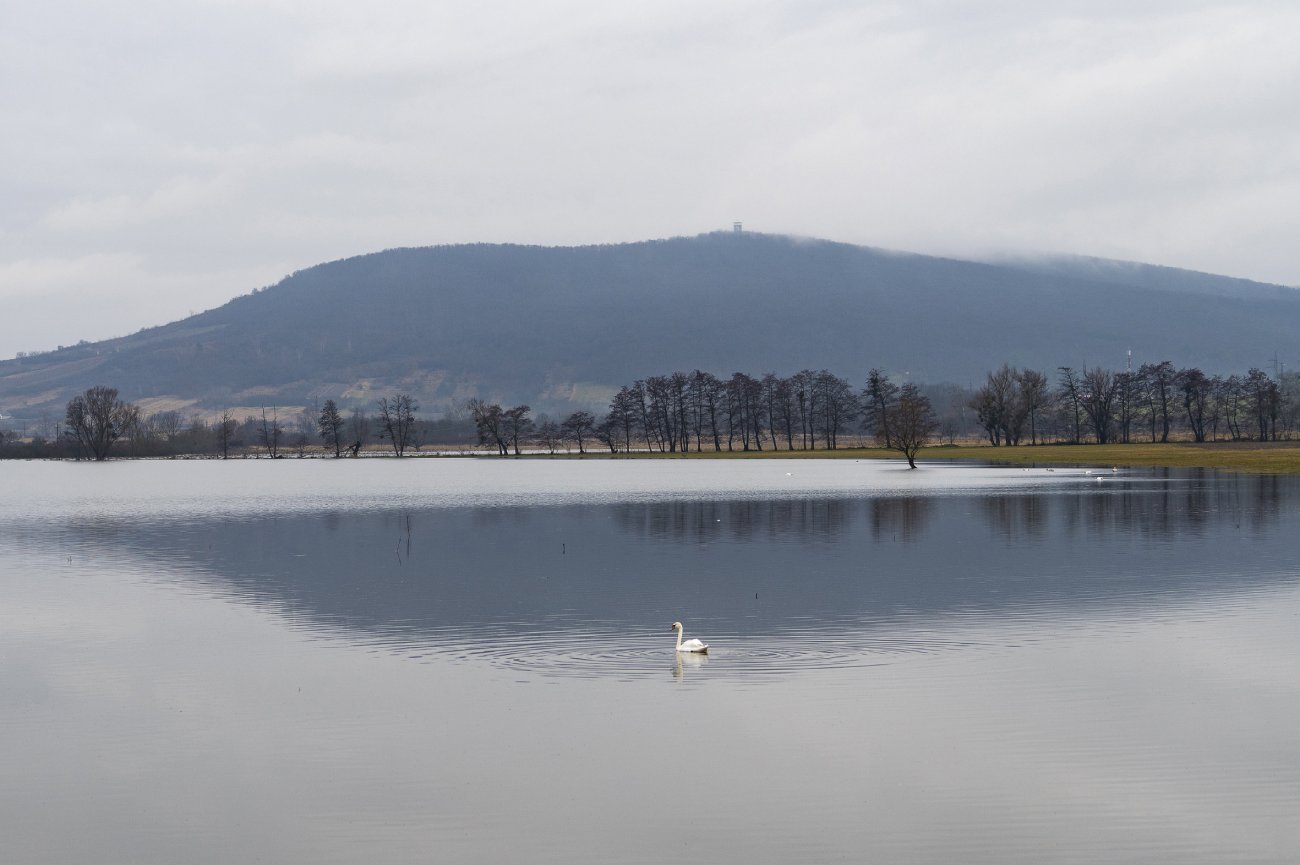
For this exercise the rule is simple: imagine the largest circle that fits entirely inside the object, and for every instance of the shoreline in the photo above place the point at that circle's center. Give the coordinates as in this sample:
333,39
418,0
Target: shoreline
1280,458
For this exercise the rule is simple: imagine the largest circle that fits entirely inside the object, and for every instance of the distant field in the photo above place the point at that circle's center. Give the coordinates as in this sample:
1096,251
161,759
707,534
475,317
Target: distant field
1281,458
1256,457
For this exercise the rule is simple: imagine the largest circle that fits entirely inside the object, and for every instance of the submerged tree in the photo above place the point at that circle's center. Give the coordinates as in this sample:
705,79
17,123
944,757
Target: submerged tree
912,422
97,418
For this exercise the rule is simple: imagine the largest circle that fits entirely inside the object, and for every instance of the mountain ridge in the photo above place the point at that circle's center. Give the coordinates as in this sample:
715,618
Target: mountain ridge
562,326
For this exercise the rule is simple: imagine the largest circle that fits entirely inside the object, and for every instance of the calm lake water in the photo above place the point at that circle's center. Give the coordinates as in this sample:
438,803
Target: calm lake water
469,660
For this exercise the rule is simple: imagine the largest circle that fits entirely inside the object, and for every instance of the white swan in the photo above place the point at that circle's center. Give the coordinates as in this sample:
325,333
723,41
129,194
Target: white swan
691,645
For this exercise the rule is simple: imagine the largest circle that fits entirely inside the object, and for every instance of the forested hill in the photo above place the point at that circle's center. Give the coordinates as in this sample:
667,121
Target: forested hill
559,327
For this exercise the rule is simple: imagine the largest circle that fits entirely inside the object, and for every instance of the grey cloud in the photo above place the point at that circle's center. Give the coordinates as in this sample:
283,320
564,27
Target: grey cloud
209,149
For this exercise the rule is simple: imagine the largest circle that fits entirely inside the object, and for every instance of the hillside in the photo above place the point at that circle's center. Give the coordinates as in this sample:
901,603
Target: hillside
558,327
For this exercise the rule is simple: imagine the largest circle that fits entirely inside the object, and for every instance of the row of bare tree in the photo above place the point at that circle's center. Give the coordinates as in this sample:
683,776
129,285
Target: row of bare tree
698,411
1108,406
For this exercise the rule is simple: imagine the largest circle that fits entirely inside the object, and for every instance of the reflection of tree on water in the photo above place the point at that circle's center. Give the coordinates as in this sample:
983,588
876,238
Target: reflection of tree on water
1018,517
803,520
700,522
1160,506
900,519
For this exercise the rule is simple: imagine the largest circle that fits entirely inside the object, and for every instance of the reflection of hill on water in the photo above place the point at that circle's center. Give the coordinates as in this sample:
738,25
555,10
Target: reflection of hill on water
748,566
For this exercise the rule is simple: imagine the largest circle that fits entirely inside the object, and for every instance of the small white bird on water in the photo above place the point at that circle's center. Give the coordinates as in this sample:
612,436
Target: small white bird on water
691,645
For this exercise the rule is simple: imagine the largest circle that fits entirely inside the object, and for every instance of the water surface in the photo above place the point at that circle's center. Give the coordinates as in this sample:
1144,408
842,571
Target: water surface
469,661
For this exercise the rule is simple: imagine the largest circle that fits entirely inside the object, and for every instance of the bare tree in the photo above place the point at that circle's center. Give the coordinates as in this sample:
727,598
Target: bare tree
659,412
197,434
837,407
1000,406
1265,397
97,418
1098,400
622,418
516,424
778,394
271,432
805,403
225,431
1033,396
706,398
607,433
578,426
1230,405
1127,393
488,421
549,434
166,424
1195,388
912,423
396,421
358,429
877,399
1159,379
1072,394
743,400
330,423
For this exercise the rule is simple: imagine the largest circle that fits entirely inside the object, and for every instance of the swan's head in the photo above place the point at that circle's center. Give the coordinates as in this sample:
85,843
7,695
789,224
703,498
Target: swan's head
677,626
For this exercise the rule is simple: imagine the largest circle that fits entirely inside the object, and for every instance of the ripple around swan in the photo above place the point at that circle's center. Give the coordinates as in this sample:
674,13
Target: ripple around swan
585,654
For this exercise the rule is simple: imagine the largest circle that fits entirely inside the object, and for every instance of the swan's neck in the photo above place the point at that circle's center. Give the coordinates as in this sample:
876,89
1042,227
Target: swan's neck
679,637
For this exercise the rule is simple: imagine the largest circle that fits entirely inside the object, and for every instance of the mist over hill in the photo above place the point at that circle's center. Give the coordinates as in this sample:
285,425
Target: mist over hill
561,327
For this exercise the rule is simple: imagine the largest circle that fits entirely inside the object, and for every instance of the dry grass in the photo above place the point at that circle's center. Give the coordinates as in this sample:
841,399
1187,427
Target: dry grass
1282,458
1255,457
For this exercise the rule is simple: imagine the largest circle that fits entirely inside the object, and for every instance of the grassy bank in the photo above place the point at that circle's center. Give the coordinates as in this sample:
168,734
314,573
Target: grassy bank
1256,457
1281,458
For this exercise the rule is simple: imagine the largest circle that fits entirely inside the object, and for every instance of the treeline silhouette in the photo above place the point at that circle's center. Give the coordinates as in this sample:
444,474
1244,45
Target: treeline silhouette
816,409
698,411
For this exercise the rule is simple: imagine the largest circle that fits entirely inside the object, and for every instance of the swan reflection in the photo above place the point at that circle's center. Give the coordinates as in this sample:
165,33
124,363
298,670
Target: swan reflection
687,661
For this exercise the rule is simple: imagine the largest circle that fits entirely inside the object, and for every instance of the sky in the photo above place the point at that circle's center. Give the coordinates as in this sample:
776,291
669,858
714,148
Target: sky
162,157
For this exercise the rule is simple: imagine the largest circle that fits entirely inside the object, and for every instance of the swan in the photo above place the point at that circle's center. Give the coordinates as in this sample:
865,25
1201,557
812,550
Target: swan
691,645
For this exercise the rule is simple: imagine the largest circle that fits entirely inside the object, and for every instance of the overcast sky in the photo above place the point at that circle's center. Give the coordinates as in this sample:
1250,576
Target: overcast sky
161,157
